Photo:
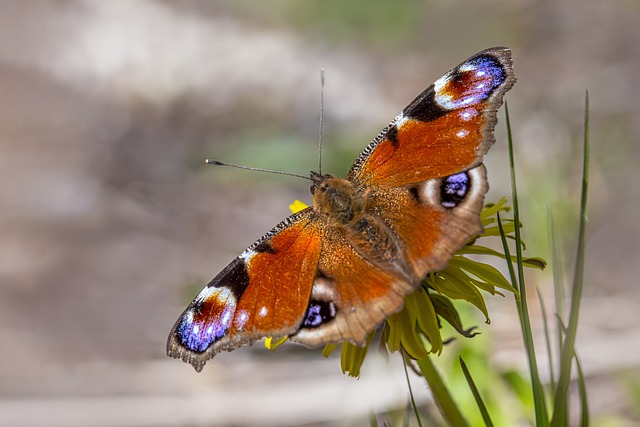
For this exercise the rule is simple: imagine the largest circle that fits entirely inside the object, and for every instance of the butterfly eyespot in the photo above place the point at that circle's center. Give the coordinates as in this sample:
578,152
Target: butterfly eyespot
319,313
197,333
471,83
454,189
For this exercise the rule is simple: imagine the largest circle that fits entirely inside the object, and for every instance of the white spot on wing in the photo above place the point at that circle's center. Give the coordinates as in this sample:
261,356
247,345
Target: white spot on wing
188,317
206,293
226,317
400,120
241,319
467,114
247,255
441,97
263,311
462,133
223,297
468,66
332,309
467,100
442,82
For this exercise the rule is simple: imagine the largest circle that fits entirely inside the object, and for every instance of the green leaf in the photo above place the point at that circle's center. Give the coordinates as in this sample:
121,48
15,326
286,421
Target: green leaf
409,340
485,272
445,309
532,262
426,318
453,284
509,227
441,395
413,401
584,401
491,209
393,332
476,395
352,356
328,349
542,417
559,293
547,338
560,414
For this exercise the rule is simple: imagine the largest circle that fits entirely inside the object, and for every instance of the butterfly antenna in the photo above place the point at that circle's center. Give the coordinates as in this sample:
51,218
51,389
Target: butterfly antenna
218,163
321,120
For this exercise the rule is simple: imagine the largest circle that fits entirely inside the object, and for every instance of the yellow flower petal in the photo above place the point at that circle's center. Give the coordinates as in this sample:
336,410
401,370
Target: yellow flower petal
271,345
297,206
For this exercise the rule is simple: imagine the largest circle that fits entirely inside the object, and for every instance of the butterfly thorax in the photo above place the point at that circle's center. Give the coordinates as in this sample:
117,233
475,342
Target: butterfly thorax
335,198
343,209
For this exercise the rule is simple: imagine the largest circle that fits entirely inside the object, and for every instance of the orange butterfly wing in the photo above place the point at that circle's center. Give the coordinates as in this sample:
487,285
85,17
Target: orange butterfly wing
447,129
434,218
423,174
265,291
351,294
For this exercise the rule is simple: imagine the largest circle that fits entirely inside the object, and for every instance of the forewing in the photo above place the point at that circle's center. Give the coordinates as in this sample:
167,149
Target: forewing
447,129
263,292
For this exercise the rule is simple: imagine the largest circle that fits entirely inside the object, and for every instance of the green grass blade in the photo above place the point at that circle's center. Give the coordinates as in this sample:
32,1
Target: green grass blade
476,394
542,418
547,338
558,281
584,401
527,336
413,401
560,414
441,394
531,262
582,387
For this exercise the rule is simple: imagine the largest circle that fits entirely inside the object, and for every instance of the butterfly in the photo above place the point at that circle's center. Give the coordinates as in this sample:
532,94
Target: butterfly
334,271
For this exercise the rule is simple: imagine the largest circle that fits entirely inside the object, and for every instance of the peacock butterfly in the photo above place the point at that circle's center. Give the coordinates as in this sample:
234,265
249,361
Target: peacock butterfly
333,272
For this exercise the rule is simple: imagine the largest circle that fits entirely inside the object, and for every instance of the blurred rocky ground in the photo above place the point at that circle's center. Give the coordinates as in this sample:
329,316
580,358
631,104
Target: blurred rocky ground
110,222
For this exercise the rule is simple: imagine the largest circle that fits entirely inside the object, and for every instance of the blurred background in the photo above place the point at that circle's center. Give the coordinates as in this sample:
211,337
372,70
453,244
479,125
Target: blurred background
110,222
